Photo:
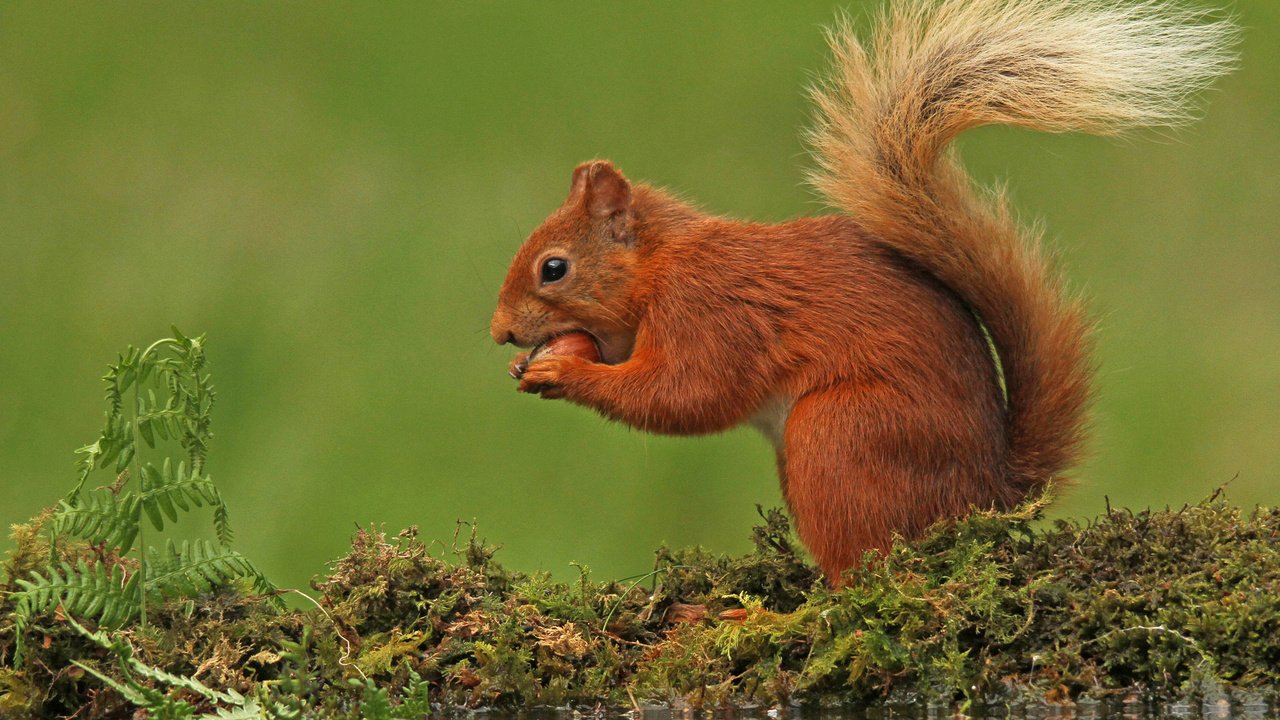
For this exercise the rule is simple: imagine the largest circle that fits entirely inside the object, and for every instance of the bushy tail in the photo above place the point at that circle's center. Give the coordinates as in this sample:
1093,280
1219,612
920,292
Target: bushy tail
936,68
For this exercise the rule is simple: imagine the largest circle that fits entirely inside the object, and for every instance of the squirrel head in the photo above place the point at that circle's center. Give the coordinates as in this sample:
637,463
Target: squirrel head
577,270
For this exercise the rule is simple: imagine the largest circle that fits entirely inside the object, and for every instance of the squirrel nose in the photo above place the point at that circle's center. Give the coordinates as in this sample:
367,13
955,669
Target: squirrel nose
501,334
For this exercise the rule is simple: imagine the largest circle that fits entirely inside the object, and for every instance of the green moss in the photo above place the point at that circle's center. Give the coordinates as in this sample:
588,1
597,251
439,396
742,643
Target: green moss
1160,605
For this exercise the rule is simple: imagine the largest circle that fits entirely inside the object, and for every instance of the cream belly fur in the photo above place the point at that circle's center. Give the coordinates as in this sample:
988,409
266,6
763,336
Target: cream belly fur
771,418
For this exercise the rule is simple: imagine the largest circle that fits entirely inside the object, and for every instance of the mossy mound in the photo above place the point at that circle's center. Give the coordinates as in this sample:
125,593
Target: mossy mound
1158,606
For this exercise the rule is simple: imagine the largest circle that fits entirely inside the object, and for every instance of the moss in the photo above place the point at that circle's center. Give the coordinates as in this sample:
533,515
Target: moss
1158,605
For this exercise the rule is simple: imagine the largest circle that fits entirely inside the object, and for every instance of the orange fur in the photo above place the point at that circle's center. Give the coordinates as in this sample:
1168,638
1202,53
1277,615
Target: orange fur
858,343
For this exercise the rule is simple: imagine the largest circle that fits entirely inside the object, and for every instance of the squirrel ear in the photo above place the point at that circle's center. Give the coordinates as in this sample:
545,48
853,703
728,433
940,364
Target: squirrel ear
605,194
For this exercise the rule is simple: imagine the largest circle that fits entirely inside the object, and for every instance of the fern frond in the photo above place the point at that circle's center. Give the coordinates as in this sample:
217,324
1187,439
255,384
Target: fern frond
92,453
198,566
222,523
105,517
143,697
165,491
114,443
101,517
152,698
155,418
106,595
172,400
251,710
183,682
131,666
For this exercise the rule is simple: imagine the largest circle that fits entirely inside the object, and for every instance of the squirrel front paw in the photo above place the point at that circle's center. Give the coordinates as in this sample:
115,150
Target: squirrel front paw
518,365
547,376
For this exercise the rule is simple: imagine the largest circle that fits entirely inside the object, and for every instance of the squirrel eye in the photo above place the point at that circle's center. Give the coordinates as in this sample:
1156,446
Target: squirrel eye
554,269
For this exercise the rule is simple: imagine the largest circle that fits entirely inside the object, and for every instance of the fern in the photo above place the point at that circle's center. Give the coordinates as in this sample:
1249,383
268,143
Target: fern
172,399
102,518
158,702
416,702
196,567
375,705
164,492
111,518
86,590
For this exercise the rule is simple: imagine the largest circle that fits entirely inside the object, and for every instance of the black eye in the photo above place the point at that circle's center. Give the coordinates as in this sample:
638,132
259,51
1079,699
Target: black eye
553,269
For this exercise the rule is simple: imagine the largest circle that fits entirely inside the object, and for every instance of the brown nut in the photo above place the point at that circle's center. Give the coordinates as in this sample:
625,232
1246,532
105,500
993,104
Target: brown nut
573,343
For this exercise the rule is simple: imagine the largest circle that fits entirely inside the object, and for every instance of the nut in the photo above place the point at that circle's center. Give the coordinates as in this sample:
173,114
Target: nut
573,343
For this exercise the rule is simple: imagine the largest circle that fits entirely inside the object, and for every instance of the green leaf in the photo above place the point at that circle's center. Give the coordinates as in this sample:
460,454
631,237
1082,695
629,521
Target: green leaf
144,429
164,496
100,517
151,480
198,566
81,589
126,452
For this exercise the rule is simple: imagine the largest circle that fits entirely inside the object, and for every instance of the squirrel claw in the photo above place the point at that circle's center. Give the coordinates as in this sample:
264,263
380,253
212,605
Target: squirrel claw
546,377
518,366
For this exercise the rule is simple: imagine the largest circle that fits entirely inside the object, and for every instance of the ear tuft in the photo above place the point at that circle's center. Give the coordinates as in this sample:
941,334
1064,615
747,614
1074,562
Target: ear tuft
604,191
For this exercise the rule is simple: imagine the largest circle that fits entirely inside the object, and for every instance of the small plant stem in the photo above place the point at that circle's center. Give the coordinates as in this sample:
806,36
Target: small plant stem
137,464
153,346
142,519
623,596
345,660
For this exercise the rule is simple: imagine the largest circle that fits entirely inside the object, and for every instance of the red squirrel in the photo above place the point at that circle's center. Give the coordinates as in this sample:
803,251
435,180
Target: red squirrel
911,358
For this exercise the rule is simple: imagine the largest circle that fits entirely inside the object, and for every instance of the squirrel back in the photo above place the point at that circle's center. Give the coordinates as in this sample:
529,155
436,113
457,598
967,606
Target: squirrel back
861,343
934,69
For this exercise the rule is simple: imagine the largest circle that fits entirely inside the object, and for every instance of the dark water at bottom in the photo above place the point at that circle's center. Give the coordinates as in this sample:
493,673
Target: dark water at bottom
1246,708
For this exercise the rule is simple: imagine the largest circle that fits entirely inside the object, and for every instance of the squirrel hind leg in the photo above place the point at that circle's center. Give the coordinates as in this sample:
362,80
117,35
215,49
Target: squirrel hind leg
861,463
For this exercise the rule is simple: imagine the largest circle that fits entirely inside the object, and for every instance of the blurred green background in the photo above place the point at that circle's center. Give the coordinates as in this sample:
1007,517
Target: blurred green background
332,193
